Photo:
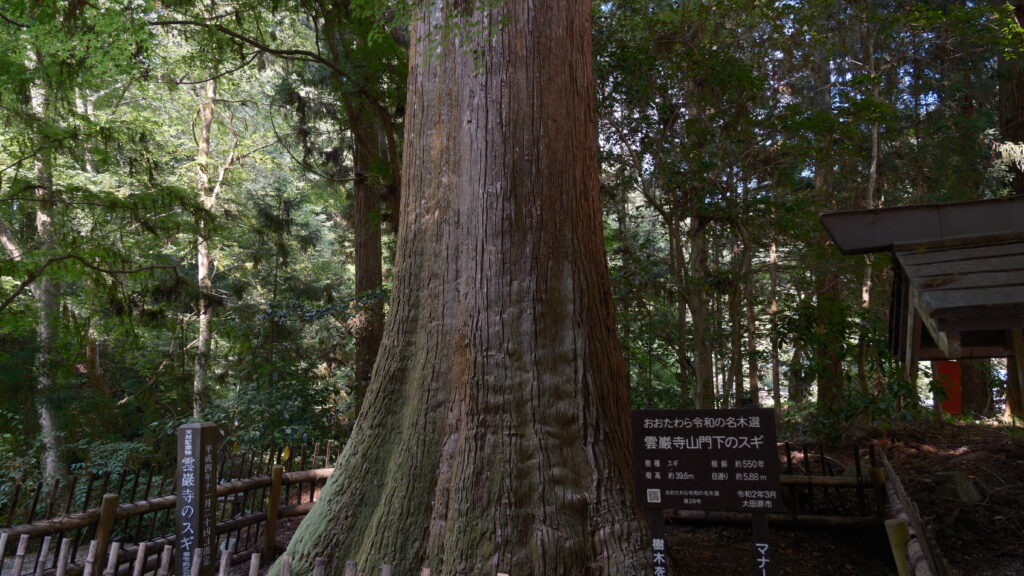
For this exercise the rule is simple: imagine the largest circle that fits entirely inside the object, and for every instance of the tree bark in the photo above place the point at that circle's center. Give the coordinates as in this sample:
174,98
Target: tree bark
494,434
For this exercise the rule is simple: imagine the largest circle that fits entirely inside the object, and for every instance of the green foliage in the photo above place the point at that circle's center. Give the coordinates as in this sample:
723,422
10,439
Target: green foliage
725,129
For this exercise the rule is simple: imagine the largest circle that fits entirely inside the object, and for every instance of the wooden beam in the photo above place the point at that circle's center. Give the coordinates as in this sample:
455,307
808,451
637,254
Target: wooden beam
966,352
912,348
915,258
948,342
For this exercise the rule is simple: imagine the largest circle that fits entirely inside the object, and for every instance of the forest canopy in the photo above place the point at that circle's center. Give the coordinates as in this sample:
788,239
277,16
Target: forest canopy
199,206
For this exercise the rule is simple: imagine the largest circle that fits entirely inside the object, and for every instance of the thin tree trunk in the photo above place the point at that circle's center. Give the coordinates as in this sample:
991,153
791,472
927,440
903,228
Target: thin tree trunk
828,353
377,176
736,323
797,378
369,154
976,387
204,305
678,265
703,358
741,289
753,369
773,270
1011,103
46,292
868,201
494,436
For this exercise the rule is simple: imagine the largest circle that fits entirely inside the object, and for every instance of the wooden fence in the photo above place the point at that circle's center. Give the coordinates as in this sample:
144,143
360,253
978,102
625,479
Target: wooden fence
254,491
141,566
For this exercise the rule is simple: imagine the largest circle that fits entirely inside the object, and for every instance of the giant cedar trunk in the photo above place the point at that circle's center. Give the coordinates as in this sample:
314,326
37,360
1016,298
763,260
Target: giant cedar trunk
494,435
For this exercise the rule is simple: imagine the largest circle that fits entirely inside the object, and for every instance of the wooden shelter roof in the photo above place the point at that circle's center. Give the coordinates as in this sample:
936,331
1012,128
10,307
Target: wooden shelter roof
926,225
959,273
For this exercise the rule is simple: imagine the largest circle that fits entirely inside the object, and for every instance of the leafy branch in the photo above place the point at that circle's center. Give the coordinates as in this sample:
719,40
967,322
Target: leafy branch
35,274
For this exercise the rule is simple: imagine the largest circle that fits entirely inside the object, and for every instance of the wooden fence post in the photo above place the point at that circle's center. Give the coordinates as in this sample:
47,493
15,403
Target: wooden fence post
63,556
165,560
90,560
225,562
254,564
115,553
197,562
270,533
878,482
43,557
350,568
105,525
3,546
899,537
320,567
19,556
140,560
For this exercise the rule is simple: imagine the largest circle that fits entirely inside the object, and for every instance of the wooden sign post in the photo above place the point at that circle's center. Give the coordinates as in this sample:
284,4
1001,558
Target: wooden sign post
196,490
708,460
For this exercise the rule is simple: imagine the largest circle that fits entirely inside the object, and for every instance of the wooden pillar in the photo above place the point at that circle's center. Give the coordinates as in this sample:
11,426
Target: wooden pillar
912,352
105,526
273,509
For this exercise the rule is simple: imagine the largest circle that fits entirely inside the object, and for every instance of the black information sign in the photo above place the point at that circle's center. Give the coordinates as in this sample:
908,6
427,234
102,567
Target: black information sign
196,490
706,459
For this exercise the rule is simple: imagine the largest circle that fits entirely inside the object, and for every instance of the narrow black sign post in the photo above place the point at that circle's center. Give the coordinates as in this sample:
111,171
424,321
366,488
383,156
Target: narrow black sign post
709,460
659,554
761,545
196,491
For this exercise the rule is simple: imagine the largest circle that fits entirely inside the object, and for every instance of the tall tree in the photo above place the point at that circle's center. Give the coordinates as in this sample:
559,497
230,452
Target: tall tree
494,435
1011,98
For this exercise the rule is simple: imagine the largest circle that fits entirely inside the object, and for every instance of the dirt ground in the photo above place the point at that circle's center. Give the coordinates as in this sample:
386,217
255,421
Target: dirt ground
984,538
727,550
981,538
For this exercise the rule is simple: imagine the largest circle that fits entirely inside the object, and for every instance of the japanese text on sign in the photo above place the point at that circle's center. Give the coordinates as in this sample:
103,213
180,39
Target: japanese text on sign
196,489
706,459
